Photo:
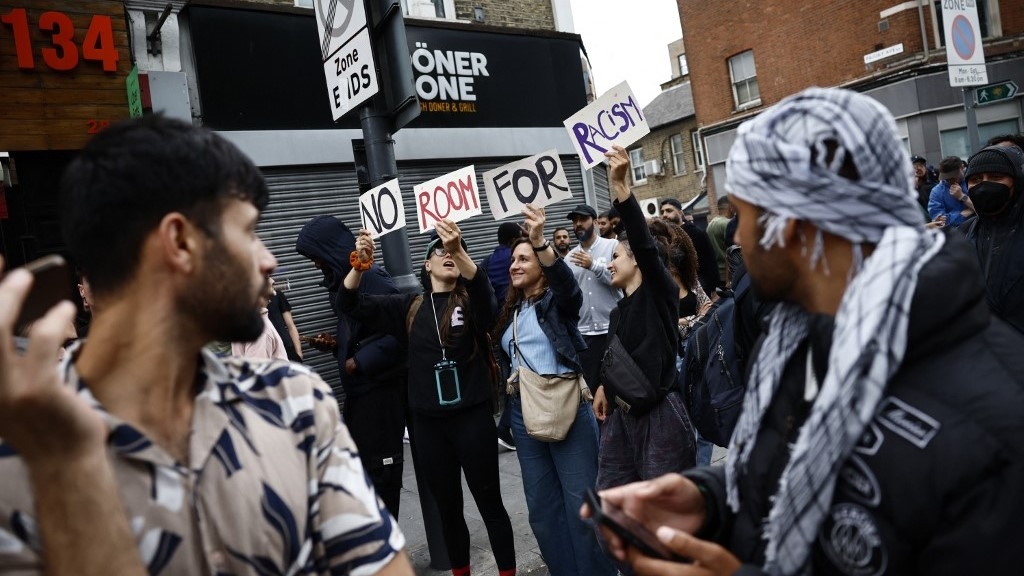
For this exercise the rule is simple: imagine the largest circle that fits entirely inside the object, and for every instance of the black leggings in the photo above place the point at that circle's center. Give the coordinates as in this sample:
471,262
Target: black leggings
465,441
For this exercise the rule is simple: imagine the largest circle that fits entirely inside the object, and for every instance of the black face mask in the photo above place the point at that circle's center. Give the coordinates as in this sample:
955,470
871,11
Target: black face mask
990,198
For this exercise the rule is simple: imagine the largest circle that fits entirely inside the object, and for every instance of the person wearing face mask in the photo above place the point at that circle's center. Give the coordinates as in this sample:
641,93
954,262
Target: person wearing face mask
589,264
995,177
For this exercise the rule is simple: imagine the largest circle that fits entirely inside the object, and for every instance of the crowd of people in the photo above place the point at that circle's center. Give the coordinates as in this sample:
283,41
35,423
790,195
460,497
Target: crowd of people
881,427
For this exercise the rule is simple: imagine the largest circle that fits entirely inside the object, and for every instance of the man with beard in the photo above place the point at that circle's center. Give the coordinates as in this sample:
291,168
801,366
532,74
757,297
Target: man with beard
589,264
707,265
881,430
370,364
560,242
143,453
995,176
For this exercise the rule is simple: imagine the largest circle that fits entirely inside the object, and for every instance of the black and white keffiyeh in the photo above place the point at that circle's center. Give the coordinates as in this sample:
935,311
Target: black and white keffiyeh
779,162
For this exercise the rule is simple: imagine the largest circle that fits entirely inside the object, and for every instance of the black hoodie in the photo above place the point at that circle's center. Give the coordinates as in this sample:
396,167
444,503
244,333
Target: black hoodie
328,242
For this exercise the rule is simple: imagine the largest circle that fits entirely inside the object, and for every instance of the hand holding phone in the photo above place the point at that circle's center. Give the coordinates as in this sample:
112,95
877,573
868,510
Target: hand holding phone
51,283
606,514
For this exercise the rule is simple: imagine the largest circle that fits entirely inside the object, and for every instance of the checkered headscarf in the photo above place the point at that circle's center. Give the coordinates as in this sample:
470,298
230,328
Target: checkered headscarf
780,162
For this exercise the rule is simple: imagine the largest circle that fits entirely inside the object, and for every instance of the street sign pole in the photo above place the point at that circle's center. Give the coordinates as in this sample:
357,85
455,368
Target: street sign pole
972,120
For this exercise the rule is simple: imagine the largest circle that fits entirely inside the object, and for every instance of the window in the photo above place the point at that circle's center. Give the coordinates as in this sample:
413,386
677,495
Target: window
444,9
636,160
988,20
744,80
678,161
683,68
956,143
698,150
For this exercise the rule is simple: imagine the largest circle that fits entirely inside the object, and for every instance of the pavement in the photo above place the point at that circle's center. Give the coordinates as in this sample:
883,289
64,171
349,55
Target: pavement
528,558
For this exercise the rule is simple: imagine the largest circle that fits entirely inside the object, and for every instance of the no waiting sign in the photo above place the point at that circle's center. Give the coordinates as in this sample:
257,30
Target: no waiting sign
964,55
347,53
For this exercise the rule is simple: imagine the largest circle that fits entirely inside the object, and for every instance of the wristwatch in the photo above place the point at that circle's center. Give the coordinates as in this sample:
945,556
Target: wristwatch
542,247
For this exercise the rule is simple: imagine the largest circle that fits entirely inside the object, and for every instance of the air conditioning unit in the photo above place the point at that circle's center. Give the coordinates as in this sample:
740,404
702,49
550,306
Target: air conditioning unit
650,206
652,167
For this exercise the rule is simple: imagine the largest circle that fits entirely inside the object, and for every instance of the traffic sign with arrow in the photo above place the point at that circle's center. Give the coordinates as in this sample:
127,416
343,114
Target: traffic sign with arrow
995,92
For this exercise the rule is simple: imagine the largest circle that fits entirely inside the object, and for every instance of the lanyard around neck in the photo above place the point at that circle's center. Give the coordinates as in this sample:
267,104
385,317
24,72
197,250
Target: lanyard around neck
437,327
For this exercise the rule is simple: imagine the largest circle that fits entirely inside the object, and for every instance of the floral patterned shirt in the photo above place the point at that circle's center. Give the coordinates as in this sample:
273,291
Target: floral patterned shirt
273,484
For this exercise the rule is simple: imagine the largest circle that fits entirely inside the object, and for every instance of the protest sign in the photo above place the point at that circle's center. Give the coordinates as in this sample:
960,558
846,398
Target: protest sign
453,196
381,209
537,180
614,118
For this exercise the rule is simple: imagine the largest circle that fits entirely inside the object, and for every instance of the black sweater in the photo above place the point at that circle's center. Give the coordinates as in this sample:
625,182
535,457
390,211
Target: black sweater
646,321
388,313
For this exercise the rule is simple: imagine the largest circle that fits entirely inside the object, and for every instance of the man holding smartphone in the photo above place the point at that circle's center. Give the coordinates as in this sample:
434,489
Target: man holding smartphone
881,430
144,453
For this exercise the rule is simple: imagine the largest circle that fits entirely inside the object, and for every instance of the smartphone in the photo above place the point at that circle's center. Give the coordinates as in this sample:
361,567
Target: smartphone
634,533
52,284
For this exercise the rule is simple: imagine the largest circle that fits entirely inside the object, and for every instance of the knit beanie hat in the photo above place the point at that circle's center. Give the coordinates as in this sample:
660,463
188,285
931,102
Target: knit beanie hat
993,160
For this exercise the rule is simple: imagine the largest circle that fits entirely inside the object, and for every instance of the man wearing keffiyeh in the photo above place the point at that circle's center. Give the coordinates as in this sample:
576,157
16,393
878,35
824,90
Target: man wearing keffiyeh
883,422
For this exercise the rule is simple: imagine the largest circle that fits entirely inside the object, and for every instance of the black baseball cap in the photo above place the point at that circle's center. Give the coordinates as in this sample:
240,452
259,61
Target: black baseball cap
918,160
582,210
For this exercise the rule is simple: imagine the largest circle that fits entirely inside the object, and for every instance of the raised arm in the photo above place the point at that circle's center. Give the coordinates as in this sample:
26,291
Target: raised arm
62,442
451,237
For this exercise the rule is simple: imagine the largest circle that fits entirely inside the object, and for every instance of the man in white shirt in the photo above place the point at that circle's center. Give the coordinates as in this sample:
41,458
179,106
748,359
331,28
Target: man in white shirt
589,264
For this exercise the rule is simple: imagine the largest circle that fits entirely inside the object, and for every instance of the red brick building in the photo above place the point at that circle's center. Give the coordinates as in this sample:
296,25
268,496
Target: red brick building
745,55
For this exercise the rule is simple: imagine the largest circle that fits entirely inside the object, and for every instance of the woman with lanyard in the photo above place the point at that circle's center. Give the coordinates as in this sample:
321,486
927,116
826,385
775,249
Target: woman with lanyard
639,444
537,330
449,383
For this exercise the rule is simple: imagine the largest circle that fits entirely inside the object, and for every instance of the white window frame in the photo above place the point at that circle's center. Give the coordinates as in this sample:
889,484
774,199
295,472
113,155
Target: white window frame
684,68
737,61
678,154
636,164
698,150
447,5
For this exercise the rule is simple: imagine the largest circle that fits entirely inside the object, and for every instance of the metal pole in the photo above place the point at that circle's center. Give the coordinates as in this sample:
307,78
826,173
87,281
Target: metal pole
380,160
382,167
972,120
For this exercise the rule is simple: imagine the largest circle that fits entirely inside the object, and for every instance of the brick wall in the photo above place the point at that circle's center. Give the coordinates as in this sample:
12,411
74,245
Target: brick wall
657,147
795,45
525,14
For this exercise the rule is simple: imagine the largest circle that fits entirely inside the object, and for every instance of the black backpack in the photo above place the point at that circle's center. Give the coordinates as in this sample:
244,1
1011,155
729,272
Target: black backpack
712,374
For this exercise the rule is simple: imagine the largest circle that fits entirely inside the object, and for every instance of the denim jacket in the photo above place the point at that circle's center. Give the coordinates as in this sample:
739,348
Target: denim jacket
558,312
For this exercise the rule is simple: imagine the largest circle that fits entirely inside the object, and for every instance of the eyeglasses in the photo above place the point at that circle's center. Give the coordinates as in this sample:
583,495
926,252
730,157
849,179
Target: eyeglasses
439,252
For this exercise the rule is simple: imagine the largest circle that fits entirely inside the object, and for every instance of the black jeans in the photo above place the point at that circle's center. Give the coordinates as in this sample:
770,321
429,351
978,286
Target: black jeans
463,442
376,421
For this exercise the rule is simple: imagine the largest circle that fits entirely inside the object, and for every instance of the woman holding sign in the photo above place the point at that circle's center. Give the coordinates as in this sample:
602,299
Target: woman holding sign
449,383
537,331
648,431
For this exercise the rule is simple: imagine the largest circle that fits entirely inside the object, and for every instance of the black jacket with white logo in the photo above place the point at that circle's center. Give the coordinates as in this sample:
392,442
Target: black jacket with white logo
936,483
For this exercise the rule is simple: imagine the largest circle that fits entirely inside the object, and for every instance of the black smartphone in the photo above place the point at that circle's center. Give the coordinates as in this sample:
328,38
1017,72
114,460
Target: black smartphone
51,284
634,533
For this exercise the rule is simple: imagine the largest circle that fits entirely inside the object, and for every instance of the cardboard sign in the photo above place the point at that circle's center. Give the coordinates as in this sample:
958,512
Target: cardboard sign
381,209
614,118
537,180
454,195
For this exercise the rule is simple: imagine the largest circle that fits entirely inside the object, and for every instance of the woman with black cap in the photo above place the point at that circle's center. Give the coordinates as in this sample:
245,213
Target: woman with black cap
449,383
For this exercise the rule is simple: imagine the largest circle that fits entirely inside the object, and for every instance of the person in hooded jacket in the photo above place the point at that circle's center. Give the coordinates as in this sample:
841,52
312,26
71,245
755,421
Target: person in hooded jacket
450,386
369,362
997,173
